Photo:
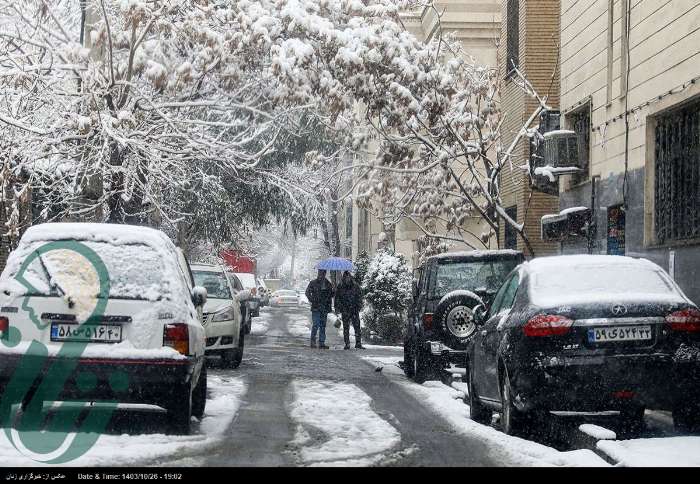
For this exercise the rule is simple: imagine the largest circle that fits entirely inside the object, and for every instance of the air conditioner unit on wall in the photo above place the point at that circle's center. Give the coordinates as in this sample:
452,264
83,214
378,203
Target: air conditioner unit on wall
561,150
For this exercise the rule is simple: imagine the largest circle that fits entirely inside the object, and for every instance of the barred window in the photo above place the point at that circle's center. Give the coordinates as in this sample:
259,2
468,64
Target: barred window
677,175
513,35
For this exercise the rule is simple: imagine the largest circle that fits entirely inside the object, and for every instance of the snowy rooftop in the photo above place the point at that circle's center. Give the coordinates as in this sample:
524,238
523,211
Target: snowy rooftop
476,254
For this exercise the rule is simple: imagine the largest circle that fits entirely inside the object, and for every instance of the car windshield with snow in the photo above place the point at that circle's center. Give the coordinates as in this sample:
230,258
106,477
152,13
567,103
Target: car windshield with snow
586,333
112,300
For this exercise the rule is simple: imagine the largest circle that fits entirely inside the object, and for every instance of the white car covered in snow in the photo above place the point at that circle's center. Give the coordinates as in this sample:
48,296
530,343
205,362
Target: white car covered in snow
222,314
114,307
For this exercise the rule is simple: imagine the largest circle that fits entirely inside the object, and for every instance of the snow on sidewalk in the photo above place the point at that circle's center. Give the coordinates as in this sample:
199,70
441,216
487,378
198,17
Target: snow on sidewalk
654,452
336,425
125,450
260,325
447,402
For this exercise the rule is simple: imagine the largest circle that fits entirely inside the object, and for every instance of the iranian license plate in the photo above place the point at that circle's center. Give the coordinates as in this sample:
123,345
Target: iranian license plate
619,333
94,333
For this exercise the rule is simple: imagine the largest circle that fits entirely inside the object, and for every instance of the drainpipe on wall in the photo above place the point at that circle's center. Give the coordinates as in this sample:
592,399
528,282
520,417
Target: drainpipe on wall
593,224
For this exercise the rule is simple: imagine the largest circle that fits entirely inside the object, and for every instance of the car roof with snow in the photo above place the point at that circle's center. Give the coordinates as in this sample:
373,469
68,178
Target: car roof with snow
114,234
118,234
475,255
201,266
569,261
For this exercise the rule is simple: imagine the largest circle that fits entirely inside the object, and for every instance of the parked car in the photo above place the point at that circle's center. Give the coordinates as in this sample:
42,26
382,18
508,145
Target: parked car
249,284
586,333
111,300
284,298
440,319
264,293
222,315
243,295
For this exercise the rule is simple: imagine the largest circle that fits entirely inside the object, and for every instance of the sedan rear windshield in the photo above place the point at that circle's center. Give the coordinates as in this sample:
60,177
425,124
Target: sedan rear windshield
286,293
215,283
135,271
597,281
477,276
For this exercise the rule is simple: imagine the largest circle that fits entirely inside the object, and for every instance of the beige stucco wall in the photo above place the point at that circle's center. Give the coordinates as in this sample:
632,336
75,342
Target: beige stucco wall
664,54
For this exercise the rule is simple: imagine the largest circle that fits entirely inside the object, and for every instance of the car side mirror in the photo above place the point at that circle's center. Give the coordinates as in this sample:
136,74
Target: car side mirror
199,296
479,312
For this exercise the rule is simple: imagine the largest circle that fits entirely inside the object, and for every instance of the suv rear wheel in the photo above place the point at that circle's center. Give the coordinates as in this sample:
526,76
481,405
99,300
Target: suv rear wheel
455,316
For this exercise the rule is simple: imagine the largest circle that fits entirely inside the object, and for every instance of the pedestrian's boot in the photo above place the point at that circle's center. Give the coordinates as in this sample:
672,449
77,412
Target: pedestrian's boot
359,346
347,346
313,343
323,347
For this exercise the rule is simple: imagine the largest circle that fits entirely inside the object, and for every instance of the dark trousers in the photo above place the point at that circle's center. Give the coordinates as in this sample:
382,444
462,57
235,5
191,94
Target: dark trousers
354,318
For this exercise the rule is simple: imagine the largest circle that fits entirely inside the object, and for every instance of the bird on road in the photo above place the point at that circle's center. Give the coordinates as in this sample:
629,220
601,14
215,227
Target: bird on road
378,369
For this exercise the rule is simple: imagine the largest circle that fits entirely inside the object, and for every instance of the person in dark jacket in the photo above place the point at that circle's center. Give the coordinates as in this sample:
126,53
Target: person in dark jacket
348,301
320,294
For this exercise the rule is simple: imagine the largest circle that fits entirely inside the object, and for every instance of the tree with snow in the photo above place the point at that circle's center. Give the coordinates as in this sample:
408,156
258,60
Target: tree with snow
387,289
361,264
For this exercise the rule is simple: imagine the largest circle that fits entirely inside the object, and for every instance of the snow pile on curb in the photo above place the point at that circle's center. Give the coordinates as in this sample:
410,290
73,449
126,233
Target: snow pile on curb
126,449
654,452
351,433
301,325
447,402
259,326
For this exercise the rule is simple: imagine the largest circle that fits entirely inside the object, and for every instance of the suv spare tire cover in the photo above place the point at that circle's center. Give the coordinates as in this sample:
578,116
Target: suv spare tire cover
455,315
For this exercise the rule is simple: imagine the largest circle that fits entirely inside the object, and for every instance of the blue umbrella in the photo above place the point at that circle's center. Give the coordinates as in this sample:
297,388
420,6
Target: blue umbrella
336,264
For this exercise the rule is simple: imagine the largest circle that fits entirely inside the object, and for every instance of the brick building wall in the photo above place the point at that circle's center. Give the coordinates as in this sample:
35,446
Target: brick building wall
538,54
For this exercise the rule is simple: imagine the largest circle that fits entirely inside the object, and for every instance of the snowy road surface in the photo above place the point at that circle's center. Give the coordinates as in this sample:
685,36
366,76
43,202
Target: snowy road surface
290,405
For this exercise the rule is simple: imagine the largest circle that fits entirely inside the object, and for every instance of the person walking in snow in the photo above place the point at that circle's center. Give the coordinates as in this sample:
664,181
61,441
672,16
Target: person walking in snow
348,301
320,294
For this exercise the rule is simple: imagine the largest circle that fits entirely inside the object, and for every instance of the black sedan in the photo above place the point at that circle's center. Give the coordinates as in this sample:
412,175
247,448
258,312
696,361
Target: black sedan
586,333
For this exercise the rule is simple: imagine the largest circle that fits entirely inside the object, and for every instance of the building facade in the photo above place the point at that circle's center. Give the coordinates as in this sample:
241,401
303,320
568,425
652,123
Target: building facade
529,41
630,87
477,24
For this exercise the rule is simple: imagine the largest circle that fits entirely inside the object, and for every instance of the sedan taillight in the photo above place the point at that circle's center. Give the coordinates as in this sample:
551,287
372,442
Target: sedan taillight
547,325
4,326
684,320
428,321
177,336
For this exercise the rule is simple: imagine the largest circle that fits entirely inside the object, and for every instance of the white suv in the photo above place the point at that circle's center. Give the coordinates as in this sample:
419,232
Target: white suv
116,305
222,314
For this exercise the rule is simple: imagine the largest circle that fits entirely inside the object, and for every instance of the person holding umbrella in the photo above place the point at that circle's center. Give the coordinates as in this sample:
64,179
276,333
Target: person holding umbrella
348,301
320,294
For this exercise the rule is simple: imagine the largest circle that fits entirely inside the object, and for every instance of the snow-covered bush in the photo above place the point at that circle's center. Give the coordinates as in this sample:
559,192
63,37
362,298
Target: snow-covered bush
387,289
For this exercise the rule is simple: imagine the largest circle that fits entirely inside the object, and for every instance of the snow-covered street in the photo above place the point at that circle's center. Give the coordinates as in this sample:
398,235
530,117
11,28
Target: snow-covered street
291,405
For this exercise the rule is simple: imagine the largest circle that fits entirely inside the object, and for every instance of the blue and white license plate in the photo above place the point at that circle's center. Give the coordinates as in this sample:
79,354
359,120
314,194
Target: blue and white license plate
619,333
84,333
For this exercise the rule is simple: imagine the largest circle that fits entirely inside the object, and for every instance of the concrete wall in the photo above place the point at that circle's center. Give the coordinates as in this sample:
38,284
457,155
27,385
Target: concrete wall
664,55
